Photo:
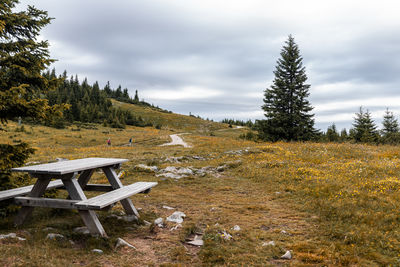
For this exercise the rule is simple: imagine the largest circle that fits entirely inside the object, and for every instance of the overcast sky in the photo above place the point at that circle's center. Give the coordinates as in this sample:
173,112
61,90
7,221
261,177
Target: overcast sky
215,58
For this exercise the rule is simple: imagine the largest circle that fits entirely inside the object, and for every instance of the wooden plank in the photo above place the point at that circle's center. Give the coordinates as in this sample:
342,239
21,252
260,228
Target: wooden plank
38,189
70,166
89,217
45,202
6,194
104,200
116,184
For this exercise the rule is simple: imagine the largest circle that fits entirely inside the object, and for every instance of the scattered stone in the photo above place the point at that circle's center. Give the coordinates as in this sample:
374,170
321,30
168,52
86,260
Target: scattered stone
176,227
284,232
53,236
236,228
278,193
287,255
71,242
47,229
213,209
217,224
171,175
82,230
159,222
98,251
270,243
177,217
12,235
198,242
168,207
122,243
143,167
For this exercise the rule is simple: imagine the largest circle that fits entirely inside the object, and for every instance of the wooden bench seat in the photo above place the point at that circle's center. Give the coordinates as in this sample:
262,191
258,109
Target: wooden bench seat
11,193
106,199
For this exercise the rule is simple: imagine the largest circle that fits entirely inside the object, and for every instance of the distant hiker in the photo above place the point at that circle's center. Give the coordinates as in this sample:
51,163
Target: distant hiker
109,141
130,141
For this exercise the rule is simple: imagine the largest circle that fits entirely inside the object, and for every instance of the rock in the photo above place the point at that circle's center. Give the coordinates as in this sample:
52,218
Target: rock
198,242
53,236
48,229
176,227
82,230
129,218
98,251
236,228
284,232
177,217
71,242
143,167
270,243
12,235
159,222
122,243
287,255
168,208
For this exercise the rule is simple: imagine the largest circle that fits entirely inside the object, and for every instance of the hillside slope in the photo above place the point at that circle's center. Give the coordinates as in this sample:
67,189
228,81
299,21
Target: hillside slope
172,121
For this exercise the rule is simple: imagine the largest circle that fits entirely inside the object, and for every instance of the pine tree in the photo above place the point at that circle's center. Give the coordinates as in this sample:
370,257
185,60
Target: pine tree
136,99
285,103
23,58
390,131
365,130
331,134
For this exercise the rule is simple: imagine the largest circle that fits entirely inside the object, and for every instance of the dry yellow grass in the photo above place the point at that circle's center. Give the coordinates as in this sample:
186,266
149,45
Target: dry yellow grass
337,203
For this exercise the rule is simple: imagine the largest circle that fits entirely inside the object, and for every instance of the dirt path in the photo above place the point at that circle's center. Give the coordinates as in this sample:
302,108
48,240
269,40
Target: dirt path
176,140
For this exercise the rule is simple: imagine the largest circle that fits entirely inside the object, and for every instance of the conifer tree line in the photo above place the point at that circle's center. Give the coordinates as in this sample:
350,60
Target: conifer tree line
365,130
89,103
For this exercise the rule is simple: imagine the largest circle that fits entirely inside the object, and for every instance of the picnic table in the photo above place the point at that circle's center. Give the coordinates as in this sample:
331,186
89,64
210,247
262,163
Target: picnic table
74,175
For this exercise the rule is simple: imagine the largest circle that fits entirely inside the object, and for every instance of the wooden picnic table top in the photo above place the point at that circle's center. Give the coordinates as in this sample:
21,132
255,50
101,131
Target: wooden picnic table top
70,166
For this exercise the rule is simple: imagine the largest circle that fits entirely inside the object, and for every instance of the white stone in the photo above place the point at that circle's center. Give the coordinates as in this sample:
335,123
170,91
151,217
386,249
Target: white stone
159,222
236,228
146,222
284,232
12,235
99,251
270,243
48,229
82,230
177,217
168,207
53,236
197,242
287,255
146,168
122,243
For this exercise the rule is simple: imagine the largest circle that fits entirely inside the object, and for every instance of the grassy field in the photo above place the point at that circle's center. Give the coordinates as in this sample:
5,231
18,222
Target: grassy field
329,204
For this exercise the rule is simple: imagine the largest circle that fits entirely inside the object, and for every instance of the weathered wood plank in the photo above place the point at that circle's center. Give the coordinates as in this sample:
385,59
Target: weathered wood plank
116,184
45,202
6,194
89,217
38,189
70,166
116,195
98,187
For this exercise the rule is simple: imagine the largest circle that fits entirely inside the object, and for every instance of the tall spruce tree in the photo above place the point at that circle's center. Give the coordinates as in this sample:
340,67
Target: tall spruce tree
286,107
365,130
23,58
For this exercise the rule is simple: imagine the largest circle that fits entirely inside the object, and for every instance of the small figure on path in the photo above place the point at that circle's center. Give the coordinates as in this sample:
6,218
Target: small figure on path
130,141
109,141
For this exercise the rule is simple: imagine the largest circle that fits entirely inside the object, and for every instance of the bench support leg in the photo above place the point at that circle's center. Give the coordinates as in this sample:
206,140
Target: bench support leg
116,183
89,217
38,190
